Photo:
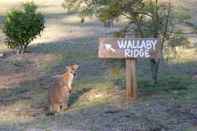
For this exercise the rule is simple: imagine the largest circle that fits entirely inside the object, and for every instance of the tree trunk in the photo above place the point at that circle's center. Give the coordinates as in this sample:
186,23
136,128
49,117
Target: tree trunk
21,49
155,69
18,50
82,20
25,47
109,23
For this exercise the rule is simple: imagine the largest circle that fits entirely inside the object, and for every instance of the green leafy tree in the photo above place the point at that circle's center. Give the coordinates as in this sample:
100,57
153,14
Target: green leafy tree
147,18
22,26
85,7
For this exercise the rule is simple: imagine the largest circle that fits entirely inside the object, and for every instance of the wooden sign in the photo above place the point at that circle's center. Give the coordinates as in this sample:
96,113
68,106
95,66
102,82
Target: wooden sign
129,49
120,48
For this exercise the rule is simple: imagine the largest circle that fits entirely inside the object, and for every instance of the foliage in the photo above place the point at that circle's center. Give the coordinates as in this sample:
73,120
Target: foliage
147,18
22,26
85,7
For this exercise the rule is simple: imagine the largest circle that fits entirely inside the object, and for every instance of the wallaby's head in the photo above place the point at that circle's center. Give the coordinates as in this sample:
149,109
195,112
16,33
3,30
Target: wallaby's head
72,68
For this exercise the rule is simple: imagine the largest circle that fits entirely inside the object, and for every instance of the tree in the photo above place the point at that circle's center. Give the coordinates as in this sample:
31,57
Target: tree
85,7
22,26
147,18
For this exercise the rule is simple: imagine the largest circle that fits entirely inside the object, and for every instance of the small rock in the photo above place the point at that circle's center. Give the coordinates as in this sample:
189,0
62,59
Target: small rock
1,55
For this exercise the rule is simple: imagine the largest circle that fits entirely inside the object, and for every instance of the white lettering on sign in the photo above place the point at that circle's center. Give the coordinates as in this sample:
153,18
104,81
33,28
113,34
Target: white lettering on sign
137,48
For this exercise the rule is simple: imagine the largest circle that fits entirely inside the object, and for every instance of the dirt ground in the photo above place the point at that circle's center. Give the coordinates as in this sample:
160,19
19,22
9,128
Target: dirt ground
95,104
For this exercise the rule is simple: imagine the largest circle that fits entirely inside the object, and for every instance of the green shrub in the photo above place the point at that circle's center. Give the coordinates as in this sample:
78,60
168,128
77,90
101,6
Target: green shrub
22,26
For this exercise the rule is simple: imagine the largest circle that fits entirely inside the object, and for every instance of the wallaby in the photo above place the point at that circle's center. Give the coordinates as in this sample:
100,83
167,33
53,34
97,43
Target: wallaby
59,92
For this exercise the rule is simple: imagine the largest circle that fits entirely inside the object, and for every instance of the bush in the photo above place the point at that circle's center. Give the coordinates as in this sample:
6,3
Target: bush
22,26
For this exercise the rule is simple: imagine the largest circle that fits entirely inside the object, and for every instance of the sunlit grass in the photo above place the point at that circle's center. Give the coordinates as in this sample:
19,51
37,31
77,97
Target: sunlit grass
184,55
94,93
2,47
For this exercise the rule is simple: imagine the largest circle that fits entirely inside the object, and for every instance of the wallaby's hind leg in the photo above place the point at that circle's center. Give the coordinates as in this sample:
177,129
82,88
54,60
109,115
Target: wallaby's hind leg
64,106
55,108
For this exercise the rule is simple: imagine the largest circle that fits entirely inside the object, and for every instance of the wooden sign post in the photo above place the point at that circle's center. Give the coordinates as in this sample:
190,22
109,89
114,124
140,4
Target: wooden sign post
131,82
129,49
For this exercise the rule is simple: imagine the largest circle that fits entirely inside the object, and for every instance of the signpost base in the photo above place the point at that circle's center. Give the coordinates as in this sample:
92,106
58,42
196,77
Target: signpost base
131,83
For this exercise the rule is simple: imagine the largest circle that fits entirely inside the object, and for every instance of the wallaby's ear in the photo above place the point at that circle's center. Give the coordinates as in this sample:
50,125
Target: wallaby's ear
75,66
72,67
